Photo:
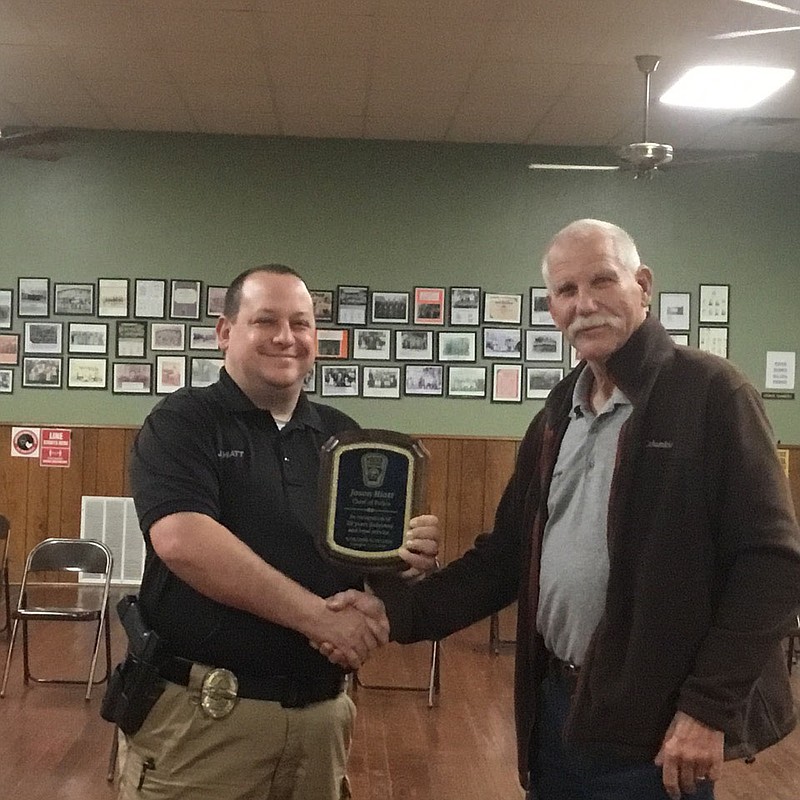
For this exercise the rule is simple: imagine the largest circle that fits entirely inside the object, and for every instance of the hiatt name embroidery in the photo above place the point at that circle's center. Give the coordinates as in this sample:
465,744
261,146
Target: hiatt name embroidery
230,453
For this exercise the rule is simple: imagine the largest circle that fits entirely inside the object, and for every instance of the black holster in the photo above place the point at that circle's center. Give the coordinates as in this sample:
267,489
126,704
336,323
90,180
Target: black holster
135,684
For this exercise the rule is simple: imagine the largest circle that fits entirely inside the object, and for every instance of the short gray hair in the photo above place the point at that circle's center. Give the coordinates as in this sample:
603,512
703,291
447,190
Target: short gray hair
624,246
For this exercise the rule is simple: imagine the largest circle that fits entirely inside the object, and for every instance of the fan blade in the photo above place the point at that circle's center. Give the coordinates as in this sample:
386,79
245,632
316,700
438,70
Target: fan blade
773,6
742,34
576,167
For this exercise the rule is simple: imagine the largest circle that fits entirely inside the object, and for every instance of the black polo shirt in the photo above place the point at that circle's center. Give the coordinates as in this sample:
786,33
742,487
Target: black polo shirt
211,451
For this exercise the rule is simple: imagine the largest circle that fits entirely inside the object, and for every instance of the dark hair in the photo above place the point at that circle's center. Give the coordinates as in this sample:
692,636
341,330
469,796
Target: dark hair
233,296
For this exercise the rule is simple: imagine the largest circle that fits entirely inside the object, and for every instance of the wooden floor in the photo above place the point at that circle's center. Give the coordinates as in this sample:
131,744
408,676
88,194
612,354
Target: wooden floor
54,746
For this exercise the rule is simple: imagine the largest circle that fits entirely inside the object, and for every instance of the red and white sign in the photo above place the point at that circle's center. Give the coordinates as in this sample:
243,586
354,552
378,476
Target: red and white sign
56,448
25,442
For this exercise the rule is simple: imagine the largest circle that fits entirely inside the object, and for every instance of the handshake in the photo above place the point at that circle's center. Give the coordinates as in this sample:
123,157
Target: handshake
353,623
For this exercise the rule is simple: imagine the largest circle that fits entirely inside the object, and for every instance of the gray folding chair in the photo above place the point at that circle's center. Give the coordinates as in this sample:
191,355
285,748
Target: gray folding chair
64,555
5,530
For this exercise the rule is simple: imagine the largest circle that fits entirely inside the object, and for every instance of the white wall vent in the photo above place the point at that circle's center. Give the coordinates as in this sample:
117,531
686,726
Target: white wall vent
112,520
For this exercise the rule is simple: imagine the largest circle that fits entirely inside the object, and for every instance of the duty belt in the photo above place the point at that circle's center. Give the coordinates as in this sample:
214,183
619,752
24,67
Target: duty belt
289,691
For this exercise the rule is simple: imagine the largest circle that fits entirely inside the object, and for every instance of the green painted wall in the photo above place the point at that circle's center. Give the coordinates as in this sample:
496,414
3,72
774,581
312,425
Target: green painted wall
391,215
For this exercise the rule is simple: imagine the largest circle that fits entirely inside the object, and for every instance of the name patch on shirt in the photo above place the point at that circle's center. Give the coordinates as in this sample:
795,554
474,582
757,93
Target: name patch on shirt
230,453
663,445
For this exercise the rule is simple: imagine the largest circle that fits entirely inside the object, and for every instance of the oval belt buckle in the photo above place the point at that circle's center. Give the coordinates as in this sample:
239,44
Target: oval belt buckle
218,693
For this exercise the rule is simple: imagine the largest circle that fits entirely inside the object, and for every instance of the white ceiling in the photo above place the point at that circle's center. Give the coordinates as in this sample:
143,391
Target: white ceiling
555,72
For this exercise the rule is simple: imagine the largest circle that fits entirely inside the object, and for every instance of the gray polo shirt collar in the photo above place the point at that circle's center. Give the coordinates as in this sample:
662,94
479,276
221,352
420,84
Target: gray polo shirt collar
581,405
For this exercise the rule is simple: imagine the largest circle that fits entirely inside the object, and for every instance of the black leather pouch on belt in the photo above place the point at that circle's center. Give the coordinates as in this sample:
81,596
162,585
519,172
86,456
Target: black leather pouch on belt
135,684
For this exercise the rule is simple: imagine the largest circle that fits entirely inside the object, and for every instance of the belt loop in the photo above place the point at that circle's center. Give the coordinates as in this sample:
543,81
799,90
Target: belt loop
197,675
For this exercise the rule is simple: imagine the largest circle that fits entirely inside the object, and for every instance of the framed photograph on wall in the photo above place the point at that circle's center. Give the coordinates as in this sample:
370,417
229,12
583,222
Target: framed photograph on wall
351,305
203,337
428,306
112,297
714,303
506,383
673,310
457,346
310,381
86,373
6,314
323,304
680,338
205,371
131,339
410,345
9,348
332,342
424,379
33,297
466,381
713,340
339,380
132,378
6,380
372,344
215,300
502,308
390,307
381,382
184,299
465,305
150,298
574,357
502,343
43,337
541,380
540,307
544,345
167,335
87,337
40,372
170,373
73,298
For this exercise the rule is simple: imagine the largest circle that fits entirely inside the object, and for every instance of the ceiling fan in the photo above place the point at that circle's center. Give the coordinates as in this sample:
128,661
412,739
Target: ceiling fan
40,144
760,31
642,158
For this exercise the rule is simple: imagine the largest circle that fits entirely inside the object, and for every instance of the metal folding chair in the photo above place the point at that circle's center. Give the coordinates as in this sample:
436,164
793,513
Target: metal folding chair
5,530
495,642
64,555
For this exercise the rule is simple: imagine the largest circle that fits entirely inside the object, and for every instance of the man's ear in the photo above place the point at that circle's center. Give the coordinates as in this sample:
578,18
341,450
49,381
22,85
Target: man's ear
644,277
223,329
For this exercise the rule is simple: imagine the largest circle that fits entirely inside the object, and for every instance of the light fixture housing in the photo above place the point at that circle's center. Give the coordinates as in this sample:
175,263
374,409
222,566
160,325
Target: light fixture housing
721,87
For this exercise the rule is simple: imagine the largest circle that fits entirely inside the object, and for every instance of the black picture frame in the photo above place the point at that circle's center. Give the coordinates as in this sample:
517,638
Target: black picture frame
203,370
6,380
466,381
33,297
339,380
310,380
131,339
41,372
130,377
9,349
372,344
215,300
380,381
714,339
87,337
184,299
203,337
43,337
6,308
390,308
170,373
413,344
540,307
423,380
429,305
87,373
713,305
502,308
539,381
167,336
351,305
544,344
500,372
465,306
675,310
113,297
73,299
457,346
150,298
323,304
502,343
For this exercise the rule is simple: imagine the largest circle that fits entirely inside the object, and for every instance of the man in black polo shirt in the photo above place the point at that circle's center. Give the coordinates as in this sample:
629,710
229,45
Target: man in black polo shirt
224,482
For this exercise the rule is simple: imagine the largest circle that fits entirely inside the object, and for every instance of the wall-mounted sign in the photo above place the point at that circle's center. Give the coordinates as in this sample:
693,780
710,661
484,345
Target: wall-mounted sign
780,371
25,442
783,457
56,447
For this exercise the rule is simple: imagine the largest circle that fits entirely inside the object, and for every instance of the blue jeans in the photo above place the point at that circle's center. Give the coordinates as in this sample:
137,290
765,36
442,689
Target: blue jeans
563,772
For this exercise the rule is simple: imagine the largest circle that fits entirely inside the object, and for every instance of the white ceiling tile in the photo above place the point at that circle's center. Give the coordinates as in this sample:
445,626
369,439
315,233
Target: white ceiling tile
341,127
409,127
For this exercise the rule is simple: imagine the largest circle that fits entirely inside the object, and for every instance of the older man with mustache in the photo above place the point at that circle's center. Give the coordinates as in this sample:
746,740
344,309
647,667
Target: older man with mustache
650,538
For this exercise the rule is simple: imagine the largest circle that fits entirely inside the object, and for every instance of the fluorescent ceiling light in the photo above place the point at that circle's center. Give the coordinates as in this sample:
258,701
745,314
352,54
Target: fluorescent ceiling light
582,167
726,87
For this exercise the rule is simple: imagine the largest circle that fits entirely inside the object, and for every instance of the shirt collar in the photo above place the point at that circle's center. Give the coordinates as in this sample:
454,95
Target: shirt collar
580,396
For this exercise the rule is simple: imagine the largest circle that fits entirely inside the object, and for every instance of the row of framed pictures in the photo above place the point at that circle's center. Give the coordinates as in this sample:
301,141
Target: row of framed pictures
45,372
112,297
47,338
434,380
674,308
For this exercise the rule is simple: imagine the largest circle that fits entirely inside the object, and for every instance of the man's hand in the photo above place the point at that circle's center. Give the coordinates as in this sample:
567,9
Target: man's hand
421,548
370,608
346,634
690,753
